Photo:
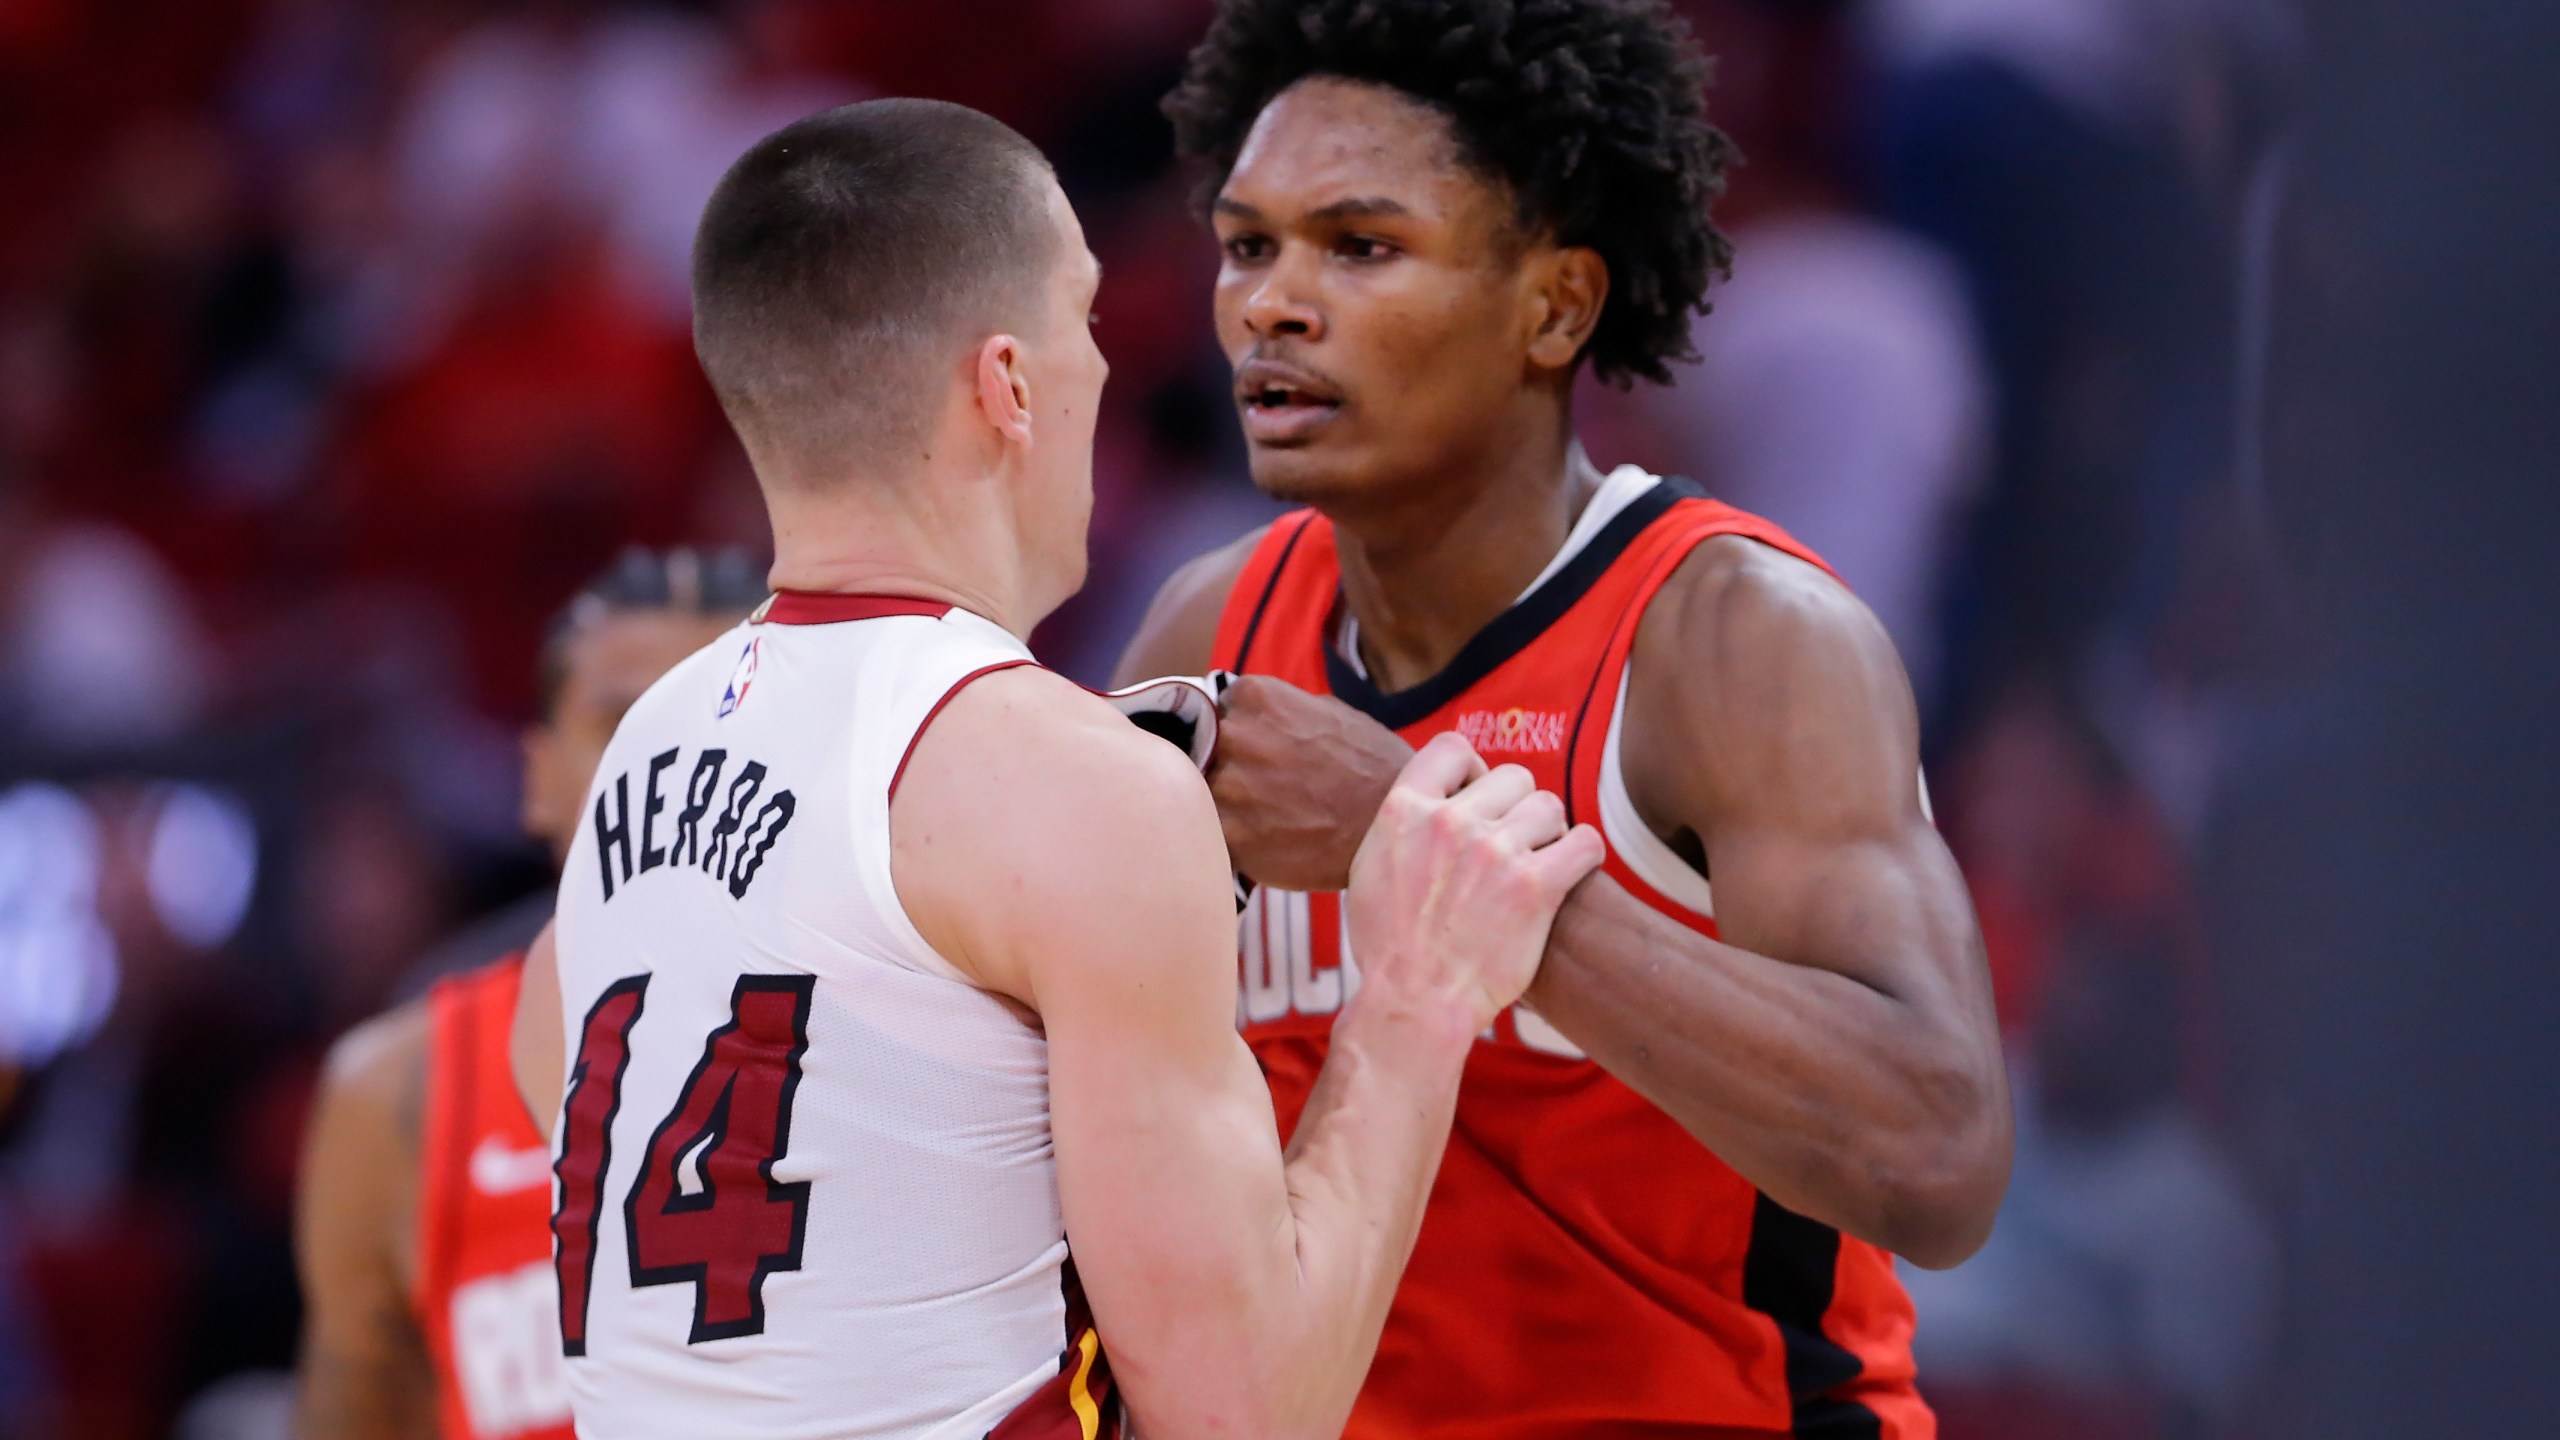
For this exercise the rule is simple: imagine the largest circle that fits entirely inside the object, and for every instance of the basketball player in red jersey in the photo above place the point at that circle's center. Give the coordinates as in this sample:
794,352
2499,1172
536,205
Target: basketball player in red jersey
425,1211
1760,1057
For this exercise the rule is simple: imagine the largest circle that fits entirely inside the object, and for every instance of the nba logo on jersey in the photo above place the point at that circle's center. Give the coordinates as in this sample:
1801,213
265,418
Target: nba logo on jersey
741,678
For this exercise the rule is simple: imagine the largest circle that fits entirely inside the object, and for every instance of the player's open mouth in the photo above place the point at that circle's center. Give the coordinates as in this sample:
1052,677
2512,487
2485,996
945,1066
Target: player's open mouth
1281,403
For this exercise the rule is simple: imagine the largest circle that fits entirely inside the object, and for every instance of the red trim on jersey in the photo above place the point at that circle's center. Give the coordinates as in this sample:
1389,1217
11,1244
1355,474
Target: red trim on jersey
812,607
1238,625
922,725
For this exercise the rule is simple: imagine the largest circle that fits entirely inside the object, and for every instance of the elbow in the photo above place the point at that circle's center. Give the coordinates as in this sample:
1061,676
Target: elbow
1940,1232
1242,1400
1301,1413
1939,1193
1269,1420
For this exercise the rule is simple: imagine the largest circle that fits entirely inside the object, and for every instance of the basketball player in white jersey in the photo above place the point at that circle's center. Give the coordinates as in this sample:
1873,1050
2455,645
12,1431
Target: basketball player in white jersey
892,966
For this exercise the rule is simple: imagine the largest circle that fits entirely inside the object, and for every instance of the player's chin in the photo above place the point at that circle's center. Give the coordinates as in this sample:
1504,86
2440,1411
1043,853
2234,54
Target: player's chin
1304,472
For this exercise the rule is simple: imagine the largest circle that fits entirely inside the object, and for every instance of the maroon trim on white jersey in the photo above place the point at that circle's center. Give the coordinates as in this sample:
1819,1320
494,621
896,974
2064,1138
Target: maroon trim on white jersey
811,607
927,722
1079,1402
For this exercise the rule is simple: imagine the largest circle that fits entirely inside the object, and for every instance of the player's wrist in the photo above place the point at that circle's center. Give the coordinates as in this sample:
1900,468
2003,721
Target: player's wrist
1421,1020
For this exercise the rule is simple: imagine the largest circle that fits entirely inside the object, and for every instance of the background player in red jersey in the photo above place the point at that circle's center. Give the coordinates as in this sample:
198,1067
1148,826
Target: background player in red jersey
1434,214
425,1207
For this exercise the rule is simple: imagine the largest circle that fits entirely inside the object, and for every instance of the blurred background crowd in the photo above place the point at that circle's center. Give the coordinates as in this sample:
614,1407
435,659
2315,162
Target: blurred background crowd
342,340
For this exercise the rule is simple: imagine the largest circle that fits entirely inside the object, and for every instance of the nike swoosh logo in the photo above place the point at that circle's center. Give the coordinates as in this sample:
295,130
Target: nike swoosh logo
500,1169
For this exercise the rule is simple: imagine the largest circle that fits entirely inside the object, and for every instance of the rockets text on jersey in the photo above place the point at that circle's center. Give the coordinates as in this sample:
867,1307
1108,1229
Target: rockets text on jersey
506,1358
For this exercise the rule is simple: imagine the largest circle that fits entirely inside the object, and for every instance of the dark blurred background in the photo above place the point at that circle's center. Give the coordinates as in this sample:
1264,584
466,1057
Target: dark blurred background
2173,376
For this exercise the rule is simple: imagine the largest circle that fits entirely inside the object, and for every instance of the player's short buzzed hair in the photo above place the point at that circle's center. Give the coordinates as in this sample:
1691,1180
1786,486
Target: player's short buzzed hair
846,261
1592,112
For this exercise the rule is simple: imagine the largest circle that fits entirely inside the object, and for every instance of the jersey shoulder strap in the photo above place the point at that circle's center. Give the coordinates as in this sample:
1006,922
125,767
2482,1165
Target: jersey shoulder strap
1697,517
1293,564
1656,556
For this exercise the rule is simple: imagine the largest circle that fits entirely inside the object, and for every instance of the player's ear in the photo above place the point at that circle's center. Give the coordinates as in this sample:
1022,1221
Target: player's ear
1004,387
1572,287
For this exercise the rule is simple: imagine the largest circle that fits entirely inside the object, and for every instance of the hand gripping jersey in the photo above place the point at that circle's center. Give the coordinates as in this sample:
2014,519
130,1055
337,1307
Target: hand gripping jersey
484,1294
1585,1268
805,1184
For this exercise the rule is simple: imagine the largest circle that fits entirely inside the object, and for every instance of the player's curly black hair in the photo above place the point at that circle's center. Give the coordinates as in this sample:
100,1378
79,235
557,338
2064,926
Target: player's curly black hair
1593,111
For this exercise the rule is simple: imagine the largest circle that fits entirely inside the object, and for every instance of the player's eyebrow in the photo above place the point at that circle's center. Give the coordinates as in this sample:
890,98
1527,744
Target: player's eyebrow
1357,207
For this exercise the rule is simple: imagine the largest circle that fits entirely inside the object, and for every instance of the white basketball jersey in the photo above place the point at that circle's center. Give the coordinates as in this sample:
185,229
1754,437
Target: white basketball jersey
805,1186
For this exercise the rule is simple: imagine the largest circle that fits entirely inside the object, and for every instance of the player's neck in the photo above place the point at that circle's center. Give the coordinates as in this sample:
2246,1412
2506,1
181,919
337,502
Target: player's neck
1421,580
846,544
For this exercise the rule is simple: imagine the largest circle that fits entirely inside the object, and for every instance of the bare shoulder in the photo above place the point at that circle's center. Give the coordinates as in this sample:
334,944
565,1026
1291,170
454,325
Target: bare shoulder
1031,808
1756,672
358,1190
1029,734
535,1057
1180,628
1737,601
379,1070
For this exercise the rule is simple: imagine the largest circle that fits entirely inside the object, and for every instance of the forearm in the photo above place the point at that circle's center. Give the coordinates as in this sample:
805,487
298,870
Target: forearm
1268,1329
1360,1168
1872,1112
370,1392
1245,1286
364,1368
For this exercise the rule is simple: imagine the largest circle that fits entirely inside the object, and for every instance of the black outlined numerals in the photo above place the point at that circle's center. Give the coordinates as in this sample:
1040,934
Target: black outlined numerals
705,1209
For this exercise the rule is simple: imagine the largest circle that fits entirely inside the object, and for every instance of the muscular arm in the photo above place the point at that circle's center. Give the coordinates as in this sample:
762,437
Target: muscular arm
365,1373
1069,861
1837,1046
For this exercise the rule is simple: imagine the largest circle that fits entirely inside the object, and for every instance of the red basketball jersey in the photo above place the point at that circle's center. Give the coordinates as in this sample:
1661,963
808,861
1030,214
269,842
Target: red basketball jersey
485,1296
1586,1268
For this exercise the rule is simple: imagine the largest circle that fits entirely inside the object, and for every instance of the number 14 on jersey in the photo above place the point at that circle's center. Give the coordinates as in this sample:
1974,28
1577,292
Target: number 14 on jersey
703,1208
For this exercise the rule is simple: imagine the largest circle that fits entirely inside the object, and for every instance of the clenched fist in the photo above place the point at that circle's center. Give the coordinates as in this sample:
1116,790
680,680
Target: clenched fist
1297,779
1458,880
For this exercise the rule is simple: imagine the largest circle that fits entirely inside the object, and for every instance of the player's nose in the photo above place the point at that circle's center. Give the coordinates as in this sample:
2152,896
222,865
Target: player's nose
1282,301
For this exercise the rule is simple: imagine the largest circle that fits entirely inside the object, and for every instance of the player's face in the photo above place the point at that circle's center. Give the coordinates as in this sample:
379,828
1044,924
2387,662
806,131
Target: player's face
1372,296
609,664
1066,372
